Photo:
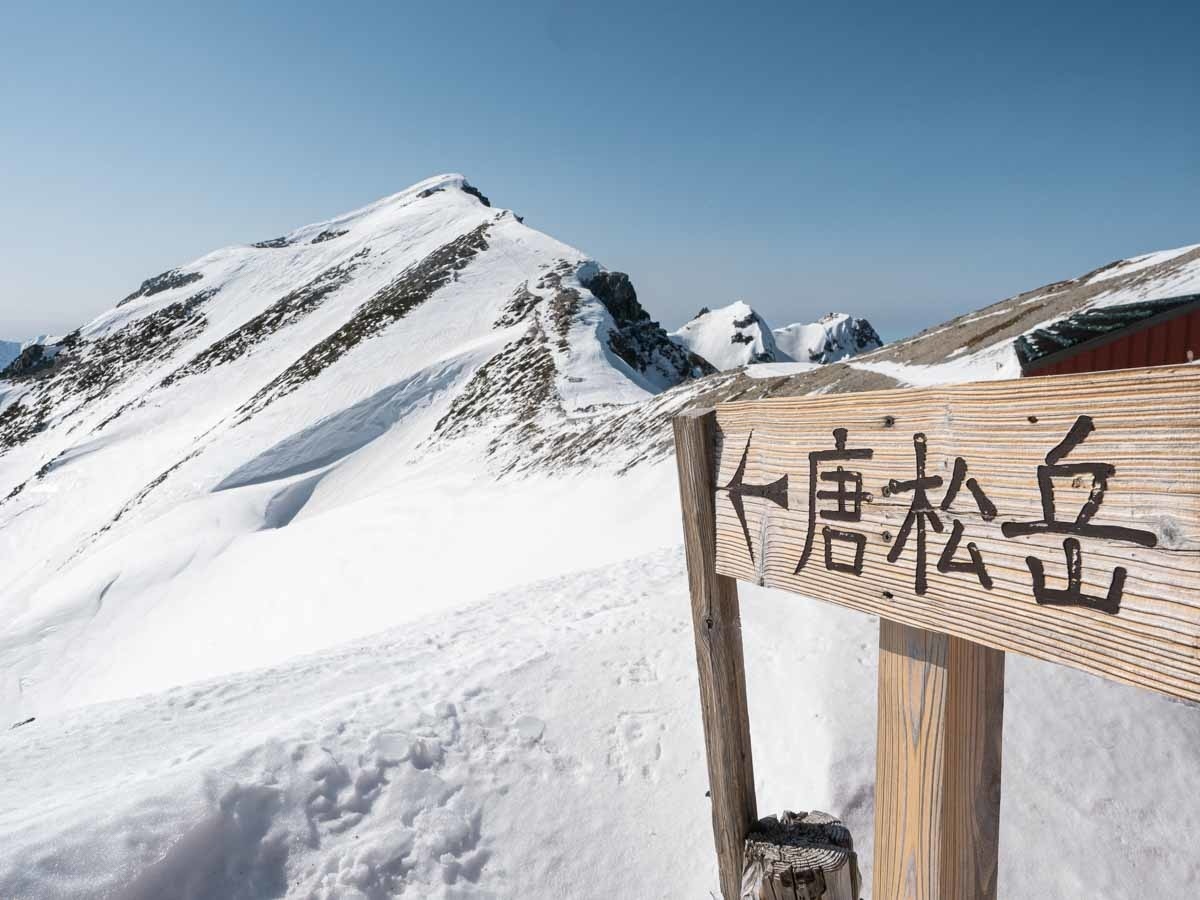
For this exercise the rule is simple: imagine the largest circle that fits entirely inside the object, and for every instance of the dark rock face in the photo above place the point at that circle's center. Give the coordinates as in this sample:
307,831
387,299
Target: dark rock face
327,235
475,192
616,292
747,322
272,244
638,340
865,336
29,361
164,282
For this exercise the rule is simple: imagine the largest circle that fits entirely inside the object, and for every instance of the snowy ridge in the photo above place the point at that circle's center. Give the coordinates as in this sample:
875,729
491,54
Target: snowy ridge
142,451
981,344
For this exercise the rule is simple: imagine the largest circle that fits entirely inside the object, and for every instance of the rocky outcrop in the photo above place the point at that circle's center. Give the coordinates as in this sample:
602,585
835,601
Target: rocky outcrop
31,360
173,278
638,340
476,193
328,234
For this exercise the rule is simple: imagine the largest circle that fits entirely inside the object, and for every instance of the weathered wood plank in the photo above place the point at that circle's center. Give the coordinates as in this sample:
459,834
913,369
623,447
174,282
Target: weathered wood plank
937,788
718,632
1135,543
971,770
908,766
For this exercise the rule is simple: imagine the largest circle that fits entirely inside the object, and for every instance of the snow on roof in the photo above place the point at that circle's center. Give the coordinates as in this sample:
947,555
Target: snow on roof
1093,323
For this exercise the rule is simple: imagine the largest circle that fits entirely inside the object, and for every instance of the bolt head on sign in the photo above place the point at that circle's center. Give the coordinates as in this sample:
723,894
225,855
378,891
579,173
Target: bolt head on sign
1047,516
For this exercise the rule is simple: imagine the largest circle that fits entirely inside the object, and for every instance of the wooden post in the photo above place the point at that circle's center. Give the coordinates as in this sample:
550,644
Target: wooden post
718,632
937,786
800,856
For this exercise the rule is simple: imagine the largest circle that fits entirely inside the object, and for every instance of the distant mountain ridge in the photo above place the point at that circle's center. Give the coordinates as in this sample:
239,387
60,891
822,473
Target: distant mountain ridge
736,335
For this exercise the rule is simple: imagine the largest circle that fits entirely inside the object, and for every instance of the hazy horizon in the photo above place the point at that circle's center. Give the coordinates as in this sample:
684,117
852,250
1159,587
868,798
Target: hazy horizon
904,165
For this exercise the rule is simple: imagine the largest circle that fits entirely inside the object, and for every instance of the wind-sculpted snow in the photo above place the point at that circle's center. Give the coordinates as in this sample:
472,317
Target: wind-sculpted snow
341,434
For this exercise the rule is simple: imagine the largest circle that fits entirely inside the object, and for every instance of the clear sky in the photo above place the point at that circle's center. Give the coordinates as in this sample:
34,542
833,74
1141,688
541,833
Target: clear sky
902,161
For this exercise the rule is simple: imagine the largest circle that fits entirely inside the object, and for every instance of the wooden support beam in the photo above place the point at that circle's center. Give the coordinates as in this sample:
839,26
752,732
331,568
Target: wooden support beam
937,787
718,632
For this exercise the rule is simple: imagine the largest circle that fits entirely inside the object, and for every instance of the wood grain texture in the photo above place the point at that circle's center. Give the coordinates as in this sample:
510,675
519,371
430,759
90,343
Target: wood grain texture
971,770
800,856
937,790
909,762
1145,424
718,633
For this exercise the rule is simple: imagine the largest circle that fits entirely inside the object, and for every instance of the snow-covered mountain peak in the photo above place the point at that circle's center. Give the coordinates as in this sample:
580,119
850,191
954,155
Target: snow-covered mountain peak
833,337
735,336
728,337
250,390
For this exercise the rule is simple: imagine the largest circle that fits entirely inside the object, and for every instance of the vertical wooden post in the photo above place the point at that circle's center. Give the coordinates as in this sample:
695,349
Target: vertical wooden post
718,632
937,785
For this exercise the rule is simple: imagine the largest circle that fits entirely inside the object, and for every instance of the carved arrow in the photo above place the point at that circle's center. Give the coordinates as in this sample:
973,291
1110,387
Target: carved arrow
776,492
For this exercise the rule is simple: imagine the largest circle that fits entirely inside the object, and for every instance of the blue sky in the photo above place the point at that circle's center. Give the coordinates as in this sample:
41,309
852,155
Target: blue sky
901,161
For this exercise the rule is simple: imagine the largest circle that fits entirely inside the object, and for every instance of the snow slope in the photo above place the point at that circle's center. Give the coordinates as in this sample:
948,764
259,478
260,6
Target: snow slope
536,745
297,586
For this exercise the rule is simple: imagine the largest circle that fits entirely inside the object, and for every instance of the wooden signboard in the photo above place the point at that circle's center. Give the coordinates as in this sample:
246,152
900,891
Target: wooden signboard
1055,517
